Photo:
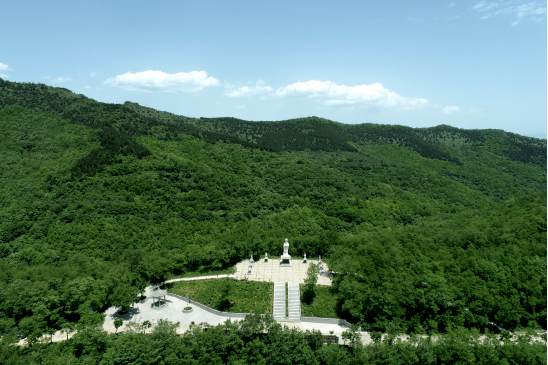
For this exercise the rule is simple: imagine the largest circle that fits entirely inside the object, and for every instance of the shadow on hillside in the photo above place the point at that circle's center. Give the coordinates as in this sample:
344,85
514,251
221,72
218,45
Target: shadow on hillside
224,305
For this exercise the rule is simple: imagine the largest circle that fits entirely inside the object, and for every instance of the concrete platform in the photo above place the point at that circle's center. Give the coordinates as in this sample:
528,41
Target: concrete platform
273,272
172,311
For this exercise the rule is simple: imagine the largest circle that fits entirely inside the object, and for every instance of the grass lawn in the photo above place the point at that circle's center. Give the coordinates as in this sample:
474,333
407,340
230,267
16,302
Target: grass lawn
228,294
323,305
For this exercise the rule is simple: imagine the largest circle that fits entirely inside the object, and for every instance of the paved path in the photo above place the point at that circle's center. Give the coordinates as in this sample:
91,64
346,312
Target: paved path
279,302
273,272
201,278
172,311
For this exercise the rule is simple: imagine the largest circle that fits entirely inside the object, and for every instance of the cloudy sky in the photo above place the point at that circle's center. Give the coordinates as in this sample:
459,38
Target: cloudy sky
469,64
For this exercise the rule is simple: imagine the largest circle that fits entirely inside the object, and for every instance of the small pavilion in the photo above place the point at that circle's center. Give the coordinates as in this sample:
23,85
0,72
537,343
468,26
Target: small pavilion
159,295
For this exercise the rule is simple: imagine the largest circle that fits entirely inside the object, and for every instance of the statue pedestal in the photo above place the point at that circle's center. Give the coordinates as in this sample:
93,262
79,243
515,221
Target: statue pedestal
286,260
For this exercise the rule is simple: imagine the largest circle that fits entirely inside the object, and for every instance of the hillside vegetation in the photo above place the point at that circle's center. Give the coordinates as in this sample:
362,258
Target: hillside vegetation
258,340
318,134
429,229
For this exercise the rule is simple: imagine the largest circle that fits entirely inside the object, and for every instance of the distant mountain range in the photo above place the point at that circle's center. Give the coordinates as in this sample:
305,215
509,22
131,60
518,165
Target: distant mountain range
310,133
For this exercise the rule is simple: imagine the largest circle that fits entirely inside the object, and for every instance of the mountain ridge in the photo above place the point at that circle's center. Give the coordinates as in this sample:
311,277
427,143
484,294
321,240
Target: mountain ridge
298,134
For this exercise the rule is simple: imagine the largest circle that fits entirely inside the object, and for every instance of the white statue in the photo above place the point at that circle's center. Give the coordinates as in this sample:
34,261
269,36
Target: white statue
265,256
286,258
251,260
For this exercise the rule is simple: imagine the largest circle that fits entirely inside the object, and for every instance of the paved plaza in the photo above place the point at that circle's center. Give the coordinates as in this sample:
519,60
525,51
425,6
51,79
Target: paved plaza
173,311
273,272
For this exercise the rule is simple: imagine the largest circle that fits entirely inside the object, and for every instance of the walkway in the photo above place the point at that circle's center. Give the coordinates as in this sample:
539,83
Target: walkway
200,278
172,311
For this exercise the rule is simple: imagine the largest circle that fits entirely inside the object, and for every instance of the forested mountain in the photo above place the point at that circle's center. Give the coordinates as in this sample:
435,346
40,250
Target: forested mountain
318,134
430,229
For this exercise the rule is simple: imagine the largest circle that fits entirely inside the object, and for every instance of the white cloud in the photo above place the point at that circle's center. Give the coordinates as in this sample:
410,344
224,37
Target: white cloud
87,87
59,79
368,95
332,94
4,76
93,74
149,81
239,106
4,67
450,109
535,11
338,102
451,5
260,88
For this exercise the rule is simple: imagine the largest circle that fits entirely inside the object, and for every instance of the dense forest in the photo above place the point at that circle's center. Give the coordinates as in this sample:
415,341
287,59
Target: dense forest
318,134
262,341
431,230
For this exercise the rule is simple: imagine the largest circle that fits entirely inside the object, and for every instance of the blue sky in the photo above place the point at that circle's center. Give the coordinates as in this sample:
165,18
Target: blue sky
469,64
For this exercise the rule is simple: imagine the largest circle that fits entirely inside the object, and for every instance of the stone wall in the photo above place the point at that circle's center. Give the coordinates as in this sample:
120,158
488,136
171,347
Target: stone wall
338,321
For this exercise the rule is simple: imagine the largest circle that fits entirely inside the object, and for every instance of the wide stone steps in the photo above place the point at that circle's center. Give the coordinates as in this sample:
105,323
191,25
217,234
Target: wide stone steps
279,301
293,302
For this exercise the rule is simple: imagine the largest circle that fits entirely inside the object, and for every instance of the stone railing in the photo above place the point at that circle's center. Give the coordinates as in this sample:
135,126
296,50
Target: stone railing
337,321
210,310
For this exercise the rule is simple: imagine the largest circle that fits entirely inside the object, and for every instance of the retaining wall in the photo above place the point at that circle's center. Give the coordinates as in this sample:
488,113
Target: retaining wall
337,321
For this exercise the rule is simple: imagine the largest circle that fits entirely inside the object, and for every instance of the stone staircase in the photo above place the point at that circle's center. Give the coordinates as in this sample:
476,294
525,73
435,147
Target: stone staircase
279,302
293,302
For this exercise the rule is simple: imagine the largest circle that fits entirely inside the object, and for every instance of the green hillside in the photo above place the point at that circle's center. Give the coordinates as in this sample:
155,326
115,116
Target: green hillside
318,134
430,229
